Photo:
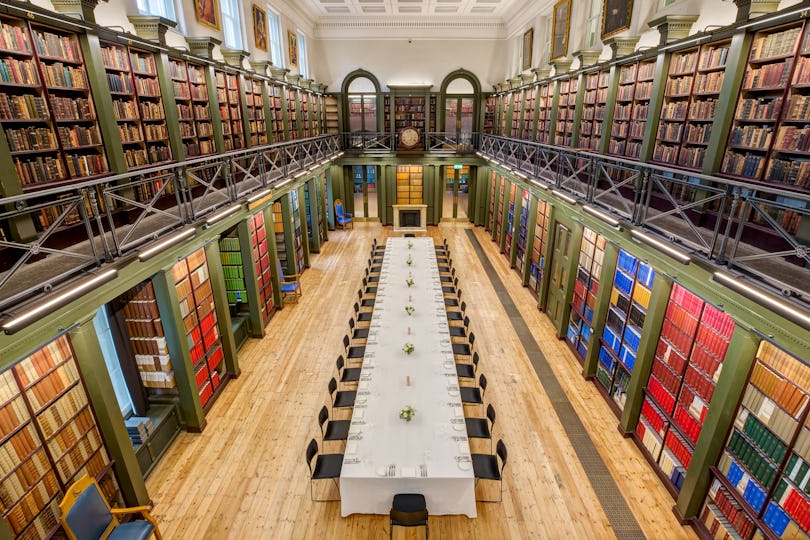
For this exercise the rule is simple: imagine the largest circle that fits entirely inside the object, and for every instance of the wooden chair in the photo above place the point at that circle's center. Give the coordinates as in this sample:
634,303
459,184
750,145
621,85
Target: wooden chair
290,285
342,218
86,515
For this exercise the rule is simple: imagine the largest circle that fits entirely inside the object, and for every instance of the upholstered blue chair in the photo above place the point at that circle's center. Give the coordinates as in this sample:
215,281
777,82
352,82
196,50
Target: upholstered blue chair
342,218
87,516
290,285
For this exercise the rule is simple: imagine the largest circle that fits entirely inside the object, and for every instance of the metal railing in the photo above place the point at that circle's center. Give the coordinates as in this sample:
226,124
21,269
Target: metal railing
370,142
58,233
759,230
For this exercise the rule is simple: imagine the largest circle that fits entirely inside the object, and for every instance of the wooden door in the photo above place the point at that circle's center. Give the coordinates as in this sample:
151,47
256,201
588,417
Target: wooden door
558,280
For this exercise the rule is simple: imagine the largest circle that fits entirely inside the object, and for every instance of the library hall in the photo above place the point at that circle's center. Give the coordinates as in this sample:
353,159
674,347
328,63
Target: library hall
405,269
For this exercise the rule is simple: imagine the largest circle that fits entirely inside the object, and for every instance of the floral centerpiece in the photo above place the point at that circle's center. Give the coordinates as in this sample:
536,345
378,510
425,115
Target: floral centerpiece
409,282
408,348
410,260
407,413
409,310
410,245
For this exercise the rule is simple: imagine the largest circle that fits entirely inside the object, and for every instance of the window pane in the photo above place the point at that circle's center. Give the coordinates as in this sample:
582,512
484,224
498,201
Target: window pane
275,39
451,116
370,112
102,325
467,107
355,113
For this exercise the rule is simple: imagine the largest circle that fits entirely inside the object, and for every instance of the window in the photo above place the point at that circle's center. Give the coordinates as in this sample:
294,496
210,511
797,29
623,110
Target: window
102,323
594,23
276,52
303,62
232,24
163,8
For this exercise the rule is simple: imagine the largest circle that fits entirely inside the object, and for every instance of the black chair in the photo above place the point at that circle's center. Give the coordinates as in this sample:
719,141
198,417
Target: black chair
361,316
460,331
336,430
485,467
327,467
468,371
367,288
473,395
450,289
364,302
353,352
357,333
446,267
341,399
409,235
482,428
448,278
370,278
409,510
347,375
453,302
374,269
453,315
465,349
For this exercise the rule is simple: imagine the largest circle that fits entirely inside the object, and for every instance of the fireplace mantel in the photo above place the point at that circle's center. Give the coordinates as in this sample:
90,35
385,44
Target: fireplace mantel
422,208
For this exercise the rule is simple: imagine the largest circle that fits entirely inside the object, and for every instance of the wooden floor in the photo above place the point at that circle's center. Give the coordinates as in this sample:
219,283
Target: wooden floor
245,475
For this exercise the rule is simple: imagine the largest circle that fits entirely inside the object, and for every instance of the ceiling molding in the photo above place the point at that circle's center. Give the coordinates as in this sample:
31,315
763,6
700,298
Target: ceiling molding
522,17
302,18
387,27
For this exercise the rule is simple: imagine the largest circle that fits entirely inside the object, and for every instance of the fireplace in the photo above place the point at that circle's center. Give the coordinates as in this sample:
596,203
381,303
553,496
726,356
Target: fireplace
410,218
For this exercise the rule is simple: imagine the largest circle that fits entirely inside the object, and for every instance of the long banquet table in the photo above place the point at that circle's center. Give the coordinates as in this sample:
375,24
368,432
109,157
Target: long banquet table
386,455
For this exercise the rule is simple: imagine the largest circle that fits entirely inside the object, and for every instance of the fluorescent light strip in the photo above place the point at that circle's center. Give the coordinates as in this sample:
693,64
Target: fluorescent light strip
223,214
160,246
284,183
564,196
300,174
260,195
598,214
521,175
47,307
766,20
539,184
788,311
676,254
683,43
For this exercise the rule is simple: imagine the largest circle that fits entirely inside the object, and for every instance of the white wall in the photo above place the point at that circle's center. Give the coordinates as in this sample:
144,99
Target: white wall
399,62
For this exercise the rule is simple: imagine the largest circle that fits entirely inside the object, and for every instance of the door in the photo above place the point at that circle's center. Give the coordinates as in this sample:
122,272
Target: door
560,263
365,191
456,187
458,118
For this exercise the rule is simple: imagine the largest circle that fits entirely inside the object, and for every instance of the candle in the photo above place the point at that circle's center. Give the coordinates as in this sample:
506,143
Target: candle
409,330
407,380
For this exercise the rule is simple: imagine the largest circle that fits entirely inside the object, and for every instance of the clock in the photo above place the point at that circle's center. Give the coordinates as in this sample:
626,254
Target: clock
409,137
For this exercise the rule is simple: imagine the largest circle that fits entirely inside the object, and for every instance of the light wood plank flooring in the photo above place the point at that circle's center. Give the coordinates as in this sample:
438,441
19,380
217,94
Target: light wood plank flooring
245,475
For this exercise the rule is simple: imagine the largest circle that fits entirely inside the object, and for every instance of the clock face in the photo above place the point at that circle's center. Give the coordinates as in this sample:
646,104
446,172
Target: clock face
409,137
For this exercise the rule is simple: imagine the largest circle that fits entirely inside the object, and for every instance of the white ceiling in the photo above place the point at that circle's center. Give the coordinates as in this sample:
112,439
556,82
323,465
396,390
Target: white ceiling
427,8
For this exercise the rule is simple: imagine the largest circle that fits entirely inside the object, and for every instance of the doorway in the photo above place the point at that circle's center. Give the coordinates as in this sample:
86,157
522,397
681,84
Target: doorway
560,263
456,192
365,192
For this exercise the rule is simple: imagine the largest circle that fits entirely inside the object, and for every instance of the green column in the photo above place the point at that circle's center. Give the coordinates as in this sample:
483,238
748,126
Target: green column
314,212
659,298
542,288
571,277
600,310
97,78
302,218
504,216
531,223
221,307
100,391
742,350
656,100
269,229
251,279
580,99
190,406
553,90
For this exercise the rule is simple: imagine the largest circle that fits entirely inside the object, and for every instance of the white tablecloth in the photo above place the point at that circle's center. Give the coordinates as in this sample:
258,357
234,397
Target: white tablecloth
431,454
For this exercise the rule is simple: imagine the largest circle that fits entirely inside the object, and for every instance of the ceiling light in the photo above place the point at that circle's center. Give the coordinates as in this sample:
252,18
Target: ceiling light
161,246
537,183
260,195
788,311
598,214
763,20
564,196
48,306
223,214
676,254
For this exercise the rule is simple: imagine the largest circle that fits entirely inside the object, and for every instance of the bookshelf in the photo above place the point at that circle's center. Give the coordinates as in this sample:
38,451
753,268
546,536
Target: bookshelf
503,107
759,486
323,203
195,296
278,229
517,106
566,107
688,361
523,233
291,96
593,109
499,209
147,340
308,209
276,112
233,269
618,346
50,439
46,107
510,221
489,115
690,100
263,262
137,105
257,123
493,180
307,113
544,100
528,113
586,289
409,184
230,110
411,111
539,246
387,125
632,108
331,111
298,240
768,141
193,112
432,113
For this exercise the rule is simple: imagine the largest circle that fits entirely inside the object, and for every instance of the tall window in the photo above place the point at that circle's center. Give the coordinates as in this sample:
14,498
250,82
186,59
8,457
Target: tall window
275,39
232,24
594,23
102,323
362,98
163,8
303,61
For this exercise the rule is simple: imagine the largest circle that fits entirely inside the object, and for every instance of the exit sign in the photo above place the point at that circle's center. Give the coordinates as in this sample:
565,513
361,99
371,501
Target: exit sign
458,166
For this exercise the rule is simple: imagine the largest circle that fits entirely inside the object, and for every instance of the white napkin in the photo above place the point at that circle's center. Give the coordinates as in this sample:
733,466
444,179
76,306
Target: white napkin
408,472
463,448
351,447
458,412
358,413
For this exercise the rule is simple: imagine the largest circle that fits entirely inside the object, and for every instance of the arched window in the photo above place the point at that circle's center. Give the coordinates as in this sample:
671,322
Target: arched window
361,96
460,94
